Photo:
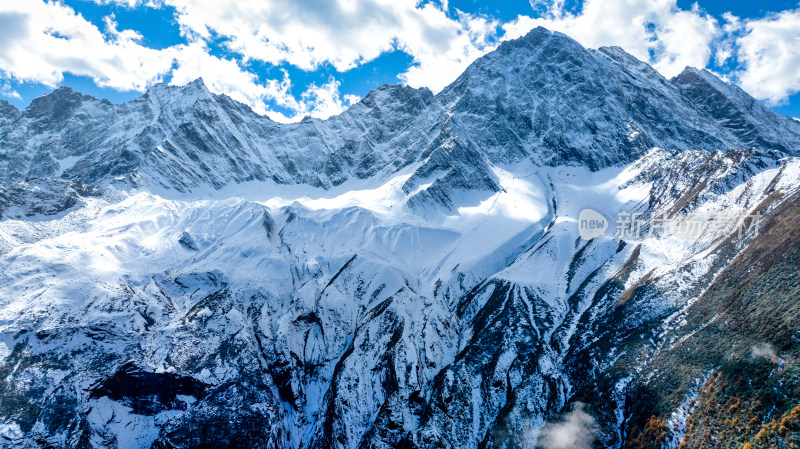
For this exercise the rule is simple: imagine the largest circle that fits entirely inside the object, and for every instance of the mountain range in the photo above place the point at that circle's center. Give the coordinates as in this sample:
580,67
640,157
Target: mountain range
178,271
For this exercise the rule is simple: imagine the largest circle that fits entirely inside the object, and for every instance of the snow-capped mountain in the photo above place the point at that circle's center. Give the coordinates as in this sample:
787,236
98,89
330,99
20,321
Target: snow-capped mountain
178,271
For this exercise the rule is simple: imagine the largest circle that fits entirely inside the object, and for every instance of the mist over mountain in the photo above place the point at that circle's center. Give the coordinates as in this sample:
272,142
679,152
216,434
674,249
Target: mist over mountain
178,271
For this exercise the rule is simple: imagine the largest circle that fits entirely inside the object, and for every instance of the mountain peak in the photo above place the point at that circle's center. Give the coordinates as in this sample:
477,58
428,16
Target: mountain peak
693,75
541,35
198,84
734,109
390,93
58,103
163,93
538,46
7,110
701,81
541,31
620,56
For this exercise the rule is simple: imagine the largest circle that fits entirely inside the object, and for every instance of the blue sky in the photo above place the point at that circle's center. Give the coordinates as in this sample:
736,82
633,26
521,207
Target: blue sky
290,58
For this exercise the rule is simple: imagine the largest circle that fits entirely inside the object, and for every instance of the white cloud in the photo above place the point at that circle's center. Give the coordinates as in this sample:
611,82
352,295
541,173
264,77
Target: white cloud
40,41
7,91
226,76
437,66
575,431
344,33
324,101
768,50
656,31
123,35
130,3
725,48
764,351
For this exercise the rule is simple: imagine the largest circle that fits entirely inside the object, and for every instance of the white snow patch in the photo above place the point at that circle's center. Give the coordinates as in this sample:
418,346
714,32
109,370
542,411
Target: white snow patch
66,163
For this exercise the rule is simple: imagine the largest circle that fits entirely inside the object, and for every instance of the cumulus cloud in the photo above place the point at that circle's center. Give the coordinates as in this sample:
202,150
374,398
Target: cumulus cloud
437,66
769,51
345,33
7,91
575,431
324,101
764,351
225,76
656,31
129,3
41,41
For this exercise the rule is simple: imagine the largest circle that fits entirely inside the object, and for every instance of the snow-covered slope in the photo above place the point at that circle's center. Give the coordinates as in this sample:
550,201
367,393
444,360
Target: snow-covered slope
178,271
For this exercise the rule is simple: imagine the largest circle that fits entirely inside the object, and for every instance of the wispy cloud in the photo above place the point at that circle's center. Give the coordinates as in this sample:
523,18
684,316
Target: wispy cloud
7,91
764,351
576,430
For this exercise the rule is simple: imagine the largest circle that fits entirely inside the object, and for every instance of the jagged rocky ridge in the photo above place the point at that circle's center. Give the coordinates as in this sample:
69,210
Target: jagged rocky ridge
178,271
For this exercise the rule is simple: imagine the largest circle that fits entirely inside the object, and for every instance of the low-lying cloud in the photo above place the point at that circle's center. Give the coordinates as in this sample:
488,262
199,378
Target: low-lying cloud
764,351
576,430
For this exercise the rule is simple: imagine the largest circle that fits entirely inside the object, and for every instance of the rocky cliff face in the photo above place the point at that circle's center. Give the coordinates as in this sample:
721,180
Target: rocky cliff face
178,271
